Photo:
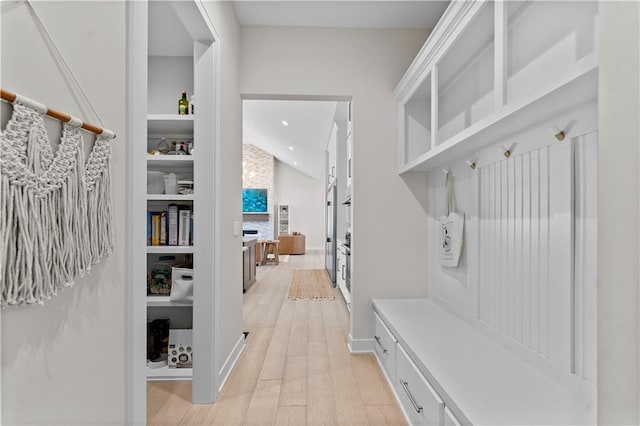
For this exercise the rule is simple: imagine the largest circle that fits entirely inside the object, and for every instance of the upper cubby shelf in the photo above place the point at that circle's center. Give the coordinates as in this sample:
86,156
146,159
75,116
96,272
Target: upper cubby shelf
162,124
491,69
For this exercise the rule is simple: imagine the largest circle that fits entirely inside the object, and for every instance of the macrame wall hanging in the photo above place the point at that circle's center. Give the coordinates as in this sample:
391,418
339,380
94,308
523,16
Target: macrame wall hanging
55,208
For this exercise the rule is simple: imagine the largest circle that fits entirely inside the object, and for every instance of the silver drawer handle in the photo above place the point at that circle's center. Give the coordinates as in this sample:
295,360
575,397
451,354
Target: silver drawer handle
384,350
405,386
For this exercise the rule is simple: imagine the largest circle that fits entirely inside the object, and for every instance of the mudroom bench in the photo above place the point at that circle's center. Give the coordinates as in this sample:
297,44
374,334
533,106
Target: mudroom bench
445,372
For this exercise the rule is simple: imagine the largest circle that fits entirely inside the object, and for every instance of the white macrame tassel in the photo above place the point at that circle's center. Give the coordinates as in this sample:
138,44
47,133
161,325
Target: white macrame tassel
55,212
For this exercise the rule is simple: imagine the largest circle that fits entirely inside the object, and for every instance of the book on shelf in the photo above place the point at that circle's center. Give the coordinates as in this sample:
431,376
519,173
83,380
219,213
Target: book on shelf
163,228
173,224
173,227
155,228
184,226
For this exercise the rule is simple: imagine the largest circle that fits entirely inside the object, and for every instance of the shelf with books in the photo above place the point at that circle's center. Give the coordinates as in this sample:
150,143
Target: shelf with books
170,249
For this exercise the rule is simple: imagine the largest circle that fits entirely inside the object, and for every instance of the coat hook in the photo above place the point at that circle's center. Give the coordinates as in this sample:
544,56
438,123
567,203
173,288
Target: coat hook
506,152
557,132
471,164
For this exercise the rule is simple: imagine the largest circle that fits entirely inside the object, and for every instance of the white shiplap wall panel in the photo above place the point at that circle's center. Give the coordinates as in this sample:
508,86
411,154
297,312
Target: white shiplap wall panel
513,226
585,255
527,275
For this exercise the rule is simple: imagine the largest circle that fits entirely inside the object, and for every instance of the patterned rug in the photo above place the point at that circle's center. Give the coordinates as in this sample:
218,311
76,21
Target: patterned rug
310,284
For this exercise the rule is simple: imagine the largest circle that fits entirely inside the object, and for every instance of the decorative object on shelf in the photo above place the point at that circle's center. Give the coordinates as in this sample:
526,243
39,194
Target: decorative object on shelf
451,230
56,210
170,184
162,147
159,277
183,104
157,342
192,100
180,348
471,164
557,132
185,187
181,285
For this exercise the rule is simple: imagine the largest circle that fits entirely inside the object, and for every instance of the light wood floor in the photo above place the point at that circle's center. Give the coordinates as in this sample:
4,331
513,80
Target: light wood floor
295,370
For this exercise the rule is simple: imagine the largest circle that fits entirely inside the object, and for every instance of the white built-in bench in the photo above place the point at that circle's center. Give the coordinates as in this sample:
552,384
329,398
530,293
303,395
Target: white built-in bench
445,372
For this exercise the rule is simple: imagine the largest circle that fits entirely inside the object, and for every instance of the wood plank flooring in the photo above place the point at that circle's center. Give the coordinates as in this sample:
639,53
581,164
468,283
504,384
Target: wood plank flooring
295,370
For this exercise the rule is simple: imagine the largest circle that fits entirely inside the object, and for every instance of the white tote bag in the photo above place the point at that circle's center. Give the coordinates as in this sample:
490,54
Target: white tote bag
181,285
451,231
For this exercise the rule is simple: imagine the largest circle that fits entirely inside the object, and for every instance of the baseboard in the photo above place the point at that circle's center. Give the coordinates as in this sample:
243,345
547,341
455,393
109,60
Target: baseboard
231,361
360,345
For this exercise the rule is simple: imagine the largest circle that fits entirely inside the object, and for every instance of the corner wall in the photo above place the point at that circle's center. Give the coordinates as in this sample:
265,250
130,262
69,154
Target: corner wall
388,259
618,214
63,362
228,183
305,197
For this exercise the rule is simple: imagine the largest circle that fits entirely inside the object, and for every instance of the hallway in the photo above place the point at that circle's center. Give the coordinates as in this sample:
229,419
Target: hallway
296,368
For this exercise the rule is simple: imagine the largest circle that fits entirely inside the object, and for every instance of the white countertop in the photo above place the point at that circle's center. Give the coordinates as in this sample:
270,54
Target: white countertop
247,239
484,381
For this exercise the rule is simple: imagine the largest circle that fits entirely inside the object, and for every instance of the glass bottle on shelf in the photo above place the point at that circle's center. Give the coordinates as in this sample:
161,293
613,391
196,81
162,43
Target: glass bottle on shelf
183,104
192,100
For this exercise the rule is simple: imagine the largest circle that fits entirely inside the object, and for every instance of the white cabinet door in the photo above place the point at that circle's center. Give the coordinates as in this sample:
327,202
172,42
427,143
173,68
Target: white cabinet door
332,154
385,344
418,399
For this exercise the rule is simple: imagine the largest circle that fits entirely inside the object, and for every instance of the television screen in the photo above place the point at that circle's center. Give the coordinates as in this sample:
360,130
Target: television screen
254,200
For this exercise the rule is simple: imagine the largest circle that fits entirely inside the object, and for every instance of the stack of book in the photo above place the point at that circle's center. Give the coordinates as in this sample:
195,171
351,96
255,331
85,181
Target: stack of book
173,227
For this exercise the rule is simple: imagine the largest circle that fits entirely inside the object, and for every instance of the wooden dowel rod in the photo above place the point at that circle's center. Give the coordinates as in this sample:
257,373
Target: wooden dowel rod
11,97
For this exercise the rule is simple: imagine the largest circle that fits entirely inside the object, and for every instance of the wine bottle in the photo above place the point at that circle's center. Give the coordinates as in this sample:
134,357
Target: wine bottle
183,104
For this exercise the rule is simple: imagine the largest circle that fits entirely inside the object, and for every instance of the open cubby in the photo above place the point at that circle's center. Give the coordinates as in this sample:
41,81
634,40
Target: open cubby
466,77
417,131
538,59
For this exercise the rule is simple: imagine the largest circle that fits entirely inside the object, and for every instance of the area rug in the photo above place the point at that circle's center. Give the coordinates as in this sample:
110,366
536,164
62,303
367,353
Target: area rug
310,284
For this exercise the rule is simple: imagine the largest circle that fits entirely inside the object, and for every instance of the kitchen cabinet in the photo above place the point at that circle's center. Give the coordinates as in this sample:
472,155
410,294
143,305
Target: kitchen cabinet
248,263
332,155
341,273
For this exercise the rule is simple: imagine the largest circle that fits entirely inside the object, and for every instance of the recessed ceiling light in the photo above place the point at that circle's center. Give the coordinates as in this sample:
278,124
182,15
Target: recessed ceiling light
284,123
290,147
295,163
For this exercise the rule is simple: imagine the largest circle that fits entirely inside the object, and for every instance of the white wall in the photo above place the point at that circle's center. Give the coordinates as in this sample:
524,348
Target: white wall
388,258
618,209
63,363
305,197
229,181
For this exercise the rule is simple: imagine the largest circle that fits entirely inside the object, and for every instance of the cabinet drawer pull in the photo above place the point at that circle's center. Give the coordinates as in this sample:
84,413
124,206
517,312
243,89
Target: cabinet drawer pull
405,386
384,350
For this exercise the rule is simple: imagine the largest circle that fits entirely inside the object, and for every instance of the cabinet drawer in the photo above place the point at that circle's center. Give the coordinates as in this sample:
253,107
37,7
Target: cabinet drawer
450,419
385,348
420,402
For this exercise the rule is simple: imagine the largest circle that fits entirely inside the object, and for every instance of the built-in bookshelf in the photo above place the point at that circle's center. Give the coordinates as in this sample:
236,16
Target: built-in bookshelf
170,226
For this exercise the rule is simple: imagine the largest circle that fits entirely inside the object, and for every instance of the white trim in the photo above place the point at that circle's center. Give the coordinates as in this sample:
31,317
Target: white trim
136,309
358,346
231,361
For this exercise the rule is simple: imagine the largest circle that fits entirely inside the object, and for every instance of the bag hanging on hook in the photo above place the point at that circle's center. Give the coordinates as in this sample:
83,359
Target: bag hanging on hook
451,231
